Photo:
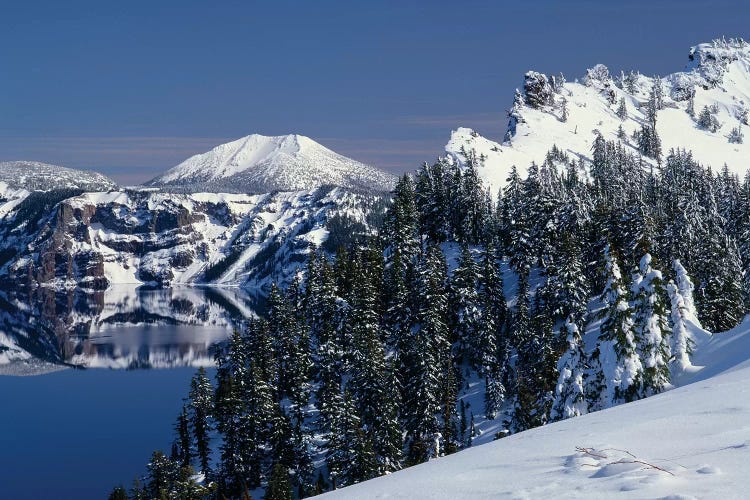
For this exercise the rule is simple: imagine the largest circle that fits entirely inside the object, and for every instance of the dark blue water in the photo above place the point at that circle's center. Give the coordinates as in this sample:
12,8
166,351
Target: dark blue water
78,433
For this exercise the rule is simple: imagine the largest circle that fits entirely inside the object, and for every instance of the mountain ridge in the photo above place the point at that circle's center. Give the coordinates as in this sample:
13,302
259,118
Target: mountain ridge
38,176
716,77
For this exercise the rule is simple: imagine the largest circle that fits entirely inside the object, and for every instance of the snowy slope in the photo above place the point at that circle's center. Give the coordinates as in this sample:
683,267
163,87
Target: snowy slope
36,176
718,74
260,164
690,442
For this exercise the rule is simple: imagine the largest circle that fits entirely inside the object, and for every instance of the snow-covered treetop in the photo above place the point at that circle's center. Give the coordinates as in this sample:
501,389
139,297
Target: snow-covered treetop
599,74
718,54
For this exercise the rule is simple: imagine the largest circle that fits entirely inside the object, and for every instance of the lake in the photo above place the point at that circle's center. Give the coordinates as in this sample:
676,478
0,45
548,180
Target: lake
91,384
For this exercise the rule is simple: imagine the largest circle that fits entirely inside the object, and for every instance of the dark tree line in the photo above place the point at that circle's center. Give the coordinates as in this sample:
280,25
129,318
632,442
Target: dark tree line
361,366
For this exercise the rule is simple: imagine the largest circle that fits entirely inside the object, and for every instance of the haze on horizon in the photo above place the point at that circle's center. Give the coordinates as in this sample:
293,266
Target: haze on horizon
132,89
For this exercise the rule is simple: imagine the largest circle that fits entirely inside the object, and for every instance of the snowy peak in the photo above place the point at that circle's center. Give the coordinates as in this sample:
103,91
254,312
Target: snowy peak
713,59
550,111
258,163
36,176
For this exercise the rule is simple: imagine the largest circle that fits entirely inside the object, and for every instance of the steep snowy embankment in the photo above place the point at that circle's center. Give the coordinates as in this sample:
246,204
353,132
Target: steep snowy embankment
690,442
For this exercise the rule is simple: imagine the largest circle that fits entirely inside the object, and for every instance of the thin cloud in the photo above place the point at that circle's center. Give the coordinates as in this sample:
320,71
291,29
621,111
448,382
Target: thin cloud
495,120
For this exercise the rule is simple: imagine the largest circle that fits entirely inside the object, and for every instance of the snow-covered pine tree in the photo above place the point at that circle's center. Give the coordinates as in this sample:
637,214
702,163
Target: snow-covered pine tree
432,198
520,338
686,289
342,454
184,442
369,371
649,143
616,372
470,200
243,404
682,342
517,219
742,228
161,475
736,136
279,487
200,404
428,359
535,372
464,303
621,135
720,295
707,120
494,346
651,327
566,291
570,394
622,110
657,93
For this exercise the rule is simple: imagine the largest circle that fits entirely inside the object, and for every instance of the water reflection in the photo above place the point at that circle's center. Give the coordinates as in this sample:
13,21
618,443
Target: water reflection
123,327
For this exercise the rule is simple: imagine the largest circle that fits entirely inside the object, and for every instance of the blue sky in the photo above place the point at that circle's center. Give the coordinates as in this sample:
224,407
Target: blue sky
132,88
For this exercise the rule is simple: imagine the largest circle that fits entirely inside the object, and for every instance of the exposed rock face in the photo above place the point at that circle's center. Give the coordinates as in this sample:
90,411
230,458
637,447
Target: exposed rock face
537,89
94,240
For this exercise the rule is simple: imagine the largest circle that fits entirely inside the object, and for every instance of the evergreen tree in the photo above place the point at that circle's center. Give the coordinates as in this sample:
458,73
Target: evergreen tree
570,397
466,309
736,136
161,475
617,373
651,327
494,347
346,454
279,487
682,343
184,439
119,493
529,337
685,288
200,405
622,110
707,120
719,295
429,358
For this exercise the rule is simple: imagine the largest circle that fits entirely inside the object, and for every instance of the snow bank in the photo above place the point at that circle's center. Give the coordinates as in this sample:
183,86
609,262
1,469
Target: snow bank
690,442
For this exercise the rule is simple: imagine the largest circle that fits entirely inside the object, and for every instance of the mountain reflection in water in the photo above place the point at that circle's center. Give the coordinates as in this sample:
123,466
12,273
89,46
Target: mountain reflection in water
123,327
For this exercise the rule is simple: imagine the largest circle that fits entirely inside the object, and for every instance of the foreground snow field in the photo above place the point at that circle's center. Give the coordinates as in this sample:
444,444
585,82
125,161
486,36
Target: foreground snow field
690,442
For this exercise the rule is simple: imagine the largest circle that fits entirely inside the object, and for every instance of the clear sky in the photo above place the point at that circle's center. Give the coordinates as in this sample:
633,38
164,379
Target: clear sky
131,88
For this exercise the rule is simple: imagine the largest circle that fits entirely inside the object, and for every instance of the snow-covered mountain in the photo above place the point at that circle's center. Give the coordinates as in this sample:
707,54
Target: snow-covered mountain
36,176
690,442
105,238
550,111
262,164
